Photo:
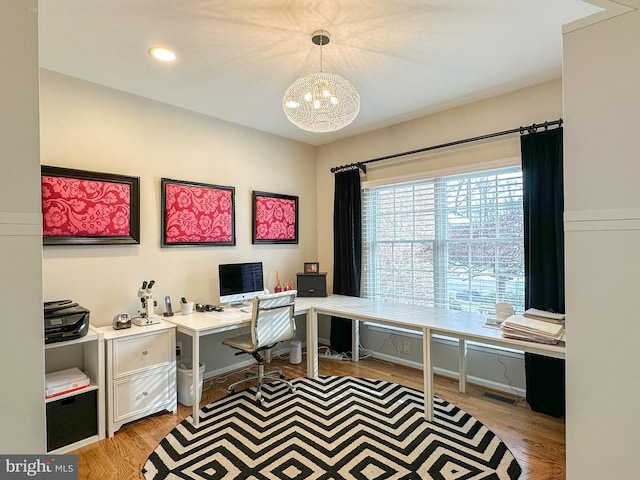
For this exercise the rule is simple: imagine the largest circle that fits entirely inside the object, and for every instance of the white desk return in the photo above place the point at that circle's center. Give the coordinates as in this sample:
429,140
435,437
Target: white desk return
453,323
461,325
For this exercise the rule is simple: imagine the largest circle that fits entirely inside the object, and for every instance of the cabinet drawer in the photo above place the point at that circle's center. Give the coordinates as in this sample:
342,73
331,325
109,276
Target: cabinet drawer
144,392
71,419
135,354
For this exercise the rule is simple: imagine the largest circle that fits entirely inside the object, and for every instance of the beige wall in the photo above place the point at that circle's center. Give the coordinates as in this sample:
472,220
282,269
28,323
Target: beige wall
22,423
602,235
89,127
522,107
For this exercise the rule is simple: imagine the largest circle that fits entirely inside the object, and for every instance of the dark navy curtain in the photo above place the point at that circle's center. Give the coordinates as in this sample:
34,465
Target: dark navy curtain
544,258
347,250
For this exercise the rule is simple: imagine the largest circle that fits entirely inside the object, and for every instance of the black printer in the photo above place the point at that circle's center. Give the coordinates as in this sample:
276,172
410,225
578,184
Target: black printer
64,320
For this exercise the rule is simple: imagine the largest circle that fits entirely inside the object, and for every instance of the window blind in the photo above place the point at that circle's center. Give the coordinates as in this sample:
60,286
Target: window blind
454,241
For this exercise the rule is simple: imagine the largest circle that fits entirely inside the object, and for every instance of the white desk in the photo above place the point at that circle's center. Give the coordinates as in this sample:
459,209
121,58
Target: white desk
199,324
461,325
453,323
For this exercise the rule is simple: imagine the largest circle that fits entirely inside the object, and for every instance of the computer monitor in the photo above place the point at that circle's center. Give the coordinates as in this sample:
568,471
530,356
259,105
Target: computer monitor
240,282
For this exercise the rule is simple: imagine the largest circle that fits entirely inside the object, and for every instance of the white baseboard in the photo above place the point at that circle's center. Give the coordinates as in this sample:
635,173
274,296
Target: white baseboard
501,387
482,382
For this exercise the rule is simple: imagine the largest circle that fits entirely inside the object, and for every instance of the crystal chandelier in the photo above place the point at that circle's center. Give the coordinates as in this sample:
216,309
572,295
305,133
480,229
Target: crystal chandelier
321,102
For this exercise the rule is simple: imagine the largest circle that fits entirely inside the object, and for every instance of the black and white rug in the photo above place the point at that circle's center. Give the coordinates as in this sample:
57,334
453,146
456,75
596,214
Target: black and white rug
331,428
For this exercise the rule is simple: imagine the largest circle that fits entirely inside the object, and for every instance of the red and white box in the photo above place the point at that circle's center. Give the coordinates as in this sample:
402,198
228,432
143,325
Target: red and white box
65,381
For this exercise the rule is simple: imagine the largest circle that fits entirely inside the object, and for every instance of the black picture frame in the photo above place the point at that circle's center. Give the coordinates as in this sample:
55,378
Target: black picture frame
311,268
262,206
82,187
212,228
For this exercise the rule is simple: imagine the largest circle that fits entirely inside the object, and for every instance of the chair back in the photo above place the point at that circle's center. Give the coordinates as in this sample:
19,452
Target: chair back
273,319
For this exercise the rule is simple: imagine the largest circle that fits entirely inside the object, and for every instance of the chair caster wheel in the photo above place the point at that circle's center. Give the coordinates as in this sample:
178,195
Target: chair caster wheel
230,391
282,376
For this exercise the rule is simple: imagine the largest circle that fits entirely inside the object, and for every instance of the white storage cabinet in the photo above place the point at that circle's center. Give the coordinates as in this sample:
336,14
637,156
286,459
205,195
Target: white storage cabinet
84,407
141,372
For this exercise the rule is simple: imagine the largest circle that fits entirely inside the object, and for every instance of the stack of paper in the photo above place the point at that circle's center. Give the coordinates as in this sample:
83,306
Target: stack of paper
532,329
544,315
65,381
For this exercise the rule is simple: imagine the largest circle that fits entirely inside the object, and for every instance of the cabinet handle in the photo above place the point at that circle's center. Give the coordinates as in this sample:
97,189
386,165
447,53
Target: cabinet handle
145,393
144,352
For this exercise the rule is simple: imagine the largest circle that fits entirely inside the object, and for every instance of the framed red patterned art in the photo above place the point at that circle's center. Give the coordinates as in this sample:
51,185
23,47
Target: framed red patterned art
89,208
197,214
275,218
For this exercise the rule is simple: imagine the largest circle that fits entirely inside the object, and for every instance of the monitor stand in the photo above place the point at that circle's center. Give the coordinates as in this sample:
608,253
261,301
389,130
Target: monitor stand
239,304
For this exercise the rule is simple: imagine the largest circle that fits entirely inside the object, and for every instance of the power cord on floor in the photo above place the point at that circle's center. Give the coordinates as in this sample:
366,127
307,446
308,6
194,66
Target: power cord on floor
392,337
326,351
504,374
223,379
364,352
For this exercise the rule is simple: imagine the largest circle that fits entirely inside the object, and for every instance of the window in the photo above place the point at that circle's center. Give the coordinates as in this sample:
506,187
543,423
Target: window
454,242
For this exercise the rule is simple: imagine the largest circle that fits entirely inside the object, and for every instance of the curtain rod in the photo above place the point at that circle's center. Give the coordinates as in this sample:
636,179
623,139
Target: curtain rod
533,128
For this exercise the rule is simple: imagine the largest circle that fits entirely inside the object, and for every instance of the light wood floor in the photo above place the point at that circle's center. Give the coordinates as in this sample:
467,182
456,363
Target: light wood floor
537,441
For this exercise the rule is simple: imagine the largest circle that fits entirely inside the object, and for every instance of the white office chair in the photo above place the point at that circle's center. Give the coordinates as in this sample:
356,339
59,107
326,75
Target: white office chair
272,321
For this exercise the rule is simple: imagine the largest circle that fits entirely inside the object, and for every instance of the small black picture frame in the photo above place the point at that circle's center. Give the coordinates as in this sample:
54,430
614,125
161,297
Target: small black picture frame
275,218
311,268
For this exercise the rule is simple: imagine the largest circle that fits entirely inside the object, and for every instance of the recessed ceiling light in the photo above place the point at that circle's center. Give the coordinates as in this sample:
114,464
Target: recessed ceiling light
163,54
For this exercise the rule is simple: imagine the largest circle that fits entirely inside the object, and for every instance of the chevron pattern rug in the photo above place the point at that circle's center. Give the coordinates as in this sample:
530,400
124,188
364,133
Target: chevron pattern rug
331,428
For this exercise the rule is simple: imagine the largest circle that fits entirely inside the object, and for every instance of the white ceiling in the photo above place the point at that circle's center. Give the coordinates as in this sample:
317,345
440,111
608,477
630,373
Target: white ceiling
236,58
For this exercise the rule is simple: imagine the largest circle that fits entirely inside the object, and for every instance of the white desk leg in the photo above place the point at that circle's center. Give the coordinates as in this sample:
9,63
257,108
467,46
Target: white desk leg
462,365
195,364
312,343
355,340
428,374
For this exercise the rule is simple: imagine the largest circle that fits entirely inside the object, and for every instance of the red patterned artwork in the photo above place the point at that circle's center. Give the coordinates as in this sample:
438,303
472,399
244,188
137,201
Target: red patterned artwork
275,218
85,208
197,214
